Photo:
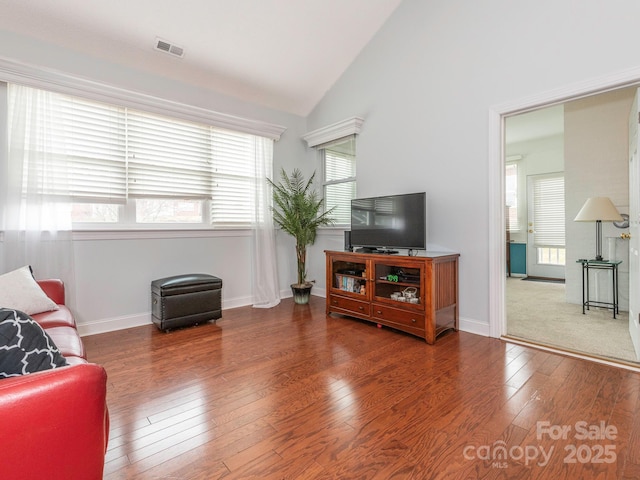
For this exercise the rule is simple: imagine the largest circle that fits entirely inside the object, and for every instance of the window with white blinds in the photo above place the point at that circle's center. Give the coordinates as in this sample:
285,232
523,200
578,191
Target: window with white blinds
84,144
106,154
167,158
233,155
548,210
340,177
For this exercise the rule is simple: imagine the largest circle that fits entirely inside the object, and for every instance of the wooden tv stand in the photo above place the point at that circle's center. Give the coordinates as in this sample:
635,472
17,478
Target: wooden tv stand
361,285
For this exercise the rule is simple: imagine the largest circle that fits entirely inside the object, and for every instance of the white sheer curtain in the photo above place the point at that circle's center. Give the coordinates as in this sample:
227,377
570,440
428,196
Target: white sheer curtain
37,217
266,291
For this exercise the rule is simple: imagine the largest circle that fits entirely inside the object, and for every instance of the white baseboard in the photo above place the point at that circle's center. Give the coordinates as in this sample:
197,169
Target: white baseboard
470,325
319,292
315,291
112,324
286,293
236,302
130,321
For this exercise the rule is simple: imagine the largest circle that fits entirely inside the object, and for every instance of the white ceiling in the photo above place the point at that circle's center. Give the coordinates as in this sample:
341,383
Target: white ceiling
540,123
283,54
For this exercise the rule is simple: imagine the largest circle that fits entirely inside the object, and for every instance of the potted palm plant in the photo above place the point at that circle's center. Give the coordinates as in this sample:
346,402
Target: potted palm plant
298,211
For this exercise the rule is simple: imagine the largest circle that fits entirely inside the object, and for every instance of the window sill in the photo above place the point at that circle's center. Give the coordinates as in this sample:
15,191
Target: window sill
150,234
159,233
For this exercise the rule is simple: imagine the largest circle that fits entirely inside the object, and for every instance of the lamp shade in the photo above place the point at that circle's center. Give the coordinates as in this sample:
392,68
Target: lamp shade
598,208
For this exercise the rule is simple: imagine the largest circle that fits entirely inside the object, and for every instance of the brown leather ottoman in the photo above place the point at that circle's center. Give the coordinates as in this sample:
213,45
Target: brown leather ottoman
185,300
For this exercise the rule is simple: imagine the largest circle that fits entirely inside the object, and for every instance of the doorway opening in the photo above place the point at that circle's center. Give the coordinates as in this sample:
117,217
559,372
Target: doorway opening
543,251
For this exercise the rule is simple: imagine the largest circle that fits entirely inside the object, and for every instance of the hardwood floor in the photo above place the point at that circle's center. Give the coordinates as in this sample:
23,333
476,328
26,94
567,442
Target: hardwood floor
289,393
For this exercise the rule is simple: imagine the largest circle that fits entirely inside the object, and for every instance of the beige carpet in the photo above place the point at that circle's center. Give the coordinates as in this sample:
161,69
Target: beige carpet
537,312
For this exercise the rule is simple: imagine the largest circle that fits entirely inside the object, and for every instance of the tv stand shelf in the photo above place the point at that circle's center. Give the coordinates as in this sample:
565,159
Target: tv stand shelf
369,286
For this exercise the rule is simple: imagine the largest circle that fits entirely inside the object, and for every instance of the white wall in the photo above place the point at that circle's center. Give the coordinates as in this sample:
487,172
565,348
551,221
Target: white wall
596,164
113,276
425,86
539,156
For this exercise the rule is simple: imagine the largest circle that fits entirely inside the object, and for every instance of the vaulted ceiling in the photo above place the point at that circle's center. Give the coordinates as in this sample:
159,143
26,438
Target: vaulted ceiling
282,54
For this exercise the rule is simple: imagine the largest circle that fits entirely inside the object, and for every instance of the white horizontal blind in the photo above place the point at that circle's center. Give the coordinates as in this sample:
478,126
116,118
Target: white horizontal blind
339,165
339,178
234,155
167,157
84,145
549,218
108,154
339,195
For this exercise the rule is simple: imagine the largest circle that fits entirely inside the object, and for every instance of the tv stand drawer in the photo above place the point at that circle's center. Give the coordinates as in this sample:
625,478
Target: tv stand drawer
349,306
383,313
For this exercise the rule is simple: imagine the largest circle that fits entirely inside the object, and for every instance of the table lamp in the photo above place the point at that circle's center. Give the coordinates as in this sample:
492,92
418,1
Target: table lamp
598,209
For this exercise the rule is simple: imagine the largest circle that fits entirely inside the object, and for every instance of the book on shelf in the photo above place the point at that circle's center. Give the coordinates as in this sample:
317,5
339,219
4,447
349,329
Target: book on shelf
347,283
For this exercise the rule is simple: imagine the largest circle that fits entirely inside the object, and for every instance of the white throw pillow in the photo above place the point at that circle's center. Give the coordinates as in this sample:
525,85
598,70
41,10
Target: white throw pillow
20,291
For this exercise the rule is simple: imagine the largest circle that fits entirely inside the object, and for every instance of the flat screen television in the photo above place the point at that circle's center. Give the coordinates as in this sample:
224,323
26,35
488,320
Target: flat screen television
389,222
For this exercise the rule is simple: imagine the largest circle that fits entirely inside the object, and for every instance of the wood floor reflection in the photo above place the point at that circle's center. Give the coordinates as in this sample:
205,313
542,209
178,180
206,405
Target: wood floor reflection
289,393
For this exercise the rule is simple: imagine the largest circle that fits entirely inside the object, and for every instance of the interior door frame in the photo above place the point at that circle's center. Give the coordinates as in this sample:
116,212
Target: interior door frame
634,230
497,221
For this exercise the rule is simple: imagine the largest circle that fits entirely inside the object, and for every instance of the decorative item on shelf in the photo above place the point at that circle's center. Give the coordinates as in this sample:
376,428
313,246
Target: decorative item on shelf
408,295
298,211
598,209
410,292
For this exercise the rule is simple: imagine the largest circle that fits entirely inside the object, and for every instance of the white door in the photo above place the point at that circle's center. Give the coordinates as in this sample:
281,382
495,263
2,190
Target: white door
634,229
545,226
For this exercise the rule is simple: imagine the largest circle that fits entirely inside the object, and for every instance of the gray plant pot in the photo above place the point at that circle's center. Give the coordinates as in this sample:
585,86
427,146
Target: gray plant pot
301,293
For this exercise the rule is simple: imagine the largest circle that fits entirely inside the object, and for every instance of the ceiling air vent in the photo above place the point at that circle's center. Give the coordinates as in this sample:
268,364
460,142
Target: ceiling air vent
169,48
